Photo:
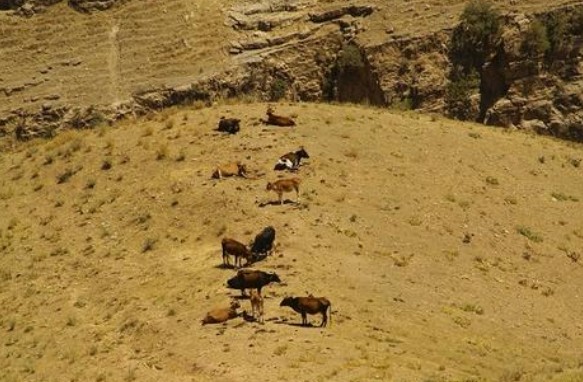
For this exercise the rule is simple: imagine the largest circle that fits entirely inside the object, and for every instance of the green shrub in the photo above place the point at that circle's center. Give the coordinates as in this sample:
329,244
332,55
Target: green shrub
278,89
350,57
557,26
477,34
536,41
457,95
529,234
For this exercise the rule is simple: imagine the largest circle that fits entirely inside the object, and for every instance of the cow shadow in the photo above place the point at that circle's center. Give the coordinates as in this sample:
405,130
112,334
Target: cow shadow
298,324
225,266
276,203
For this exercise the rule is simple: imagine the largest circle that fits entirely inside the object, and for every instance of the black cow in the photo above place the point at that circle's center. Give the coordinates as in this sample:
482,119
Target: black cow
229,125
263,244
251,279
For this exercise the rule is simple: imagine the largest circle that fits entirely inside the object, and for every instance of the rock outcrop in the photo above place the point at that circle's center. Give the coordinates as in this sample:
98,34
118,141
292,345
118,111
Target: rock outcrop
29,7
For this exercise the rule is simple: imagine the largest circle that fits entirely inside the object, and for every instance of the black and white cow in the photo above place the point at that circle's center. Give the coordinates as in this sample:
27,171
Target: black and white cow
291,160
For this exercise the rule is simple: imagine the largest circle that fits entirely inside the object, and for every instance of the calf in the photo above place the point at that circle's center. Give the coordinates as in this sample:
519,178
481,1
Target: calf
278,120
291,160
252,279
256,305
285,185
229,125
236,249
263,244
230,169
217,316
309,305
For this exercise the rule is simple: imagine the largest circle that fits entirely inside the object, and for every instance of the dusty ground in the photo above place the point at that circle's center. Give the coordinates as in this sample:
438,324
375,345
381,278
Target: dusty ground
61,57
450,252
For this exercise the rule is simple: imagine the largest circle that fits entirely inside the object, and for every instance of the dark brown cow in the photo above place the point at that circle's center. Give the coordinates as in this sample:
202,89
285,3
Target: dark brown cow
236,249
278,120
309,305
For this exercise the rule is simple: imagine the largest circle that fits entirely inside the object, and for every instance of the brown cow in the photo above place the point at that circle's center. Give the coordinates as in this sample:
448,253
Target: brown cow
216,316
256,305
309,305
230,169
236,249
278,120
285,185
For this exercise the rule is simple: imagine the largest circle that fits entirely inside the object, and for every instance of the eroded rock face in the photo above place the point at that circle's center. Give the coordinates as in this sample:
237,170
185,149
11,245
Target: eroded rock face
30,7
93,5
514,90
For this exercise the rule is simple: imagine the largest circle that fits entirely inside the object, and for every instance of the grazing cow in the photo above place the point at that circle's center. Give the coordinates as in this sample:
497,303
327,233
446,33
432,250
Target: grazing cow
263,244
216,316
251,279
236,249
229,125
230,169
291,160
256,305
285,185
278,120
309,305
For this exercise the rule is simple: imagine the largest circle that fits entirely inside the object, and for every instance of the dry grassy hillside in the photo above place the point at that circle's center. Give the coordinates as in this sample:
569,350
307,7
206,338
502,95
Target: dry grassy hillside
64,58
450,252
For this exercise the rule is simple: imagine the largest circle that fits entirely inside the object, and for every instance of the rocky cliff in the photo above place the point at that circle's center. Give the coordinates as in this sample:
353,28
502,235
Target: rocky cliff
295,50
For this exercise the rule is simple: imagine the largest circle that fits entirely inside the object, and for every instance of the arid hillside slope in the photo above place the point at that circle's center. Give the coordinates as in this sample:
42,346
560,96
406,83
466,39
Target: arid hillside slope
450,251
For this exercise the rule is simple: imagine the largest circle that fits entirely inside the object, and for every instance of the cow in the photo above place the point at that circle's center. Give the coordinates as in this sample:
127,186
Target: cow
230,169
263,243
277,120
285,185
291,160
251,279
256,305
229,125
309,305
216,316
236,249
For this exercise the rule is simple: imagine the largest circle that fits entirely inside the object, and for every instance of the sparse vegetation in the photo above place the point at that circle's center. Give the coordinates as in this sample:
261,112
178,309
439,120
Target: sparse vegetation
148,244
477,35
535,41
162,152
529,234
278,89
64,176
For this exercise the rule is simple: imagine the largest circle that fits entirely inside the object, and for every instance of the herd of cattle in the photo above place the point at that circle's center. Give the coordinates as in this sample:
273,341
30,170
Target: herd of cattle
263,245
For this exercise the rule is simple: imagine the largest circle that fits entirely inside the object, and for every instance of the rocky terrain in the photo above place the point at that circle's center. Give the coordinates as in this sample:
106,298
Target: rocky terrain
107,59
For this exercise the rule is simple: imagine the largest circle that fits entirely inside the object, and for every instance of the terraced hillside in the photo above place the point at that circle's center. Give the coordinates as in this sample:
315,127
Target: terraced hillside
61,57
450,252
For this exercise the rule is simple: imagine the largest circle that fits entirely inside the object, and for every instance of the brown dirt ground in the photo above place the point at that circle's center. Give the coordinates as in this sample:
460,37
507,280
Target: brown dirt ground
450,251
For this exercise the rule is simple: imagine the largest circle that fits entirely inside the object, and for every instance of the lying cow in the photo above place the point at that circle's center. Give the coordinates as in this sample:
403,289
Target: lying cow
309,305
251,279
263,243
229,125
230,169
216,316
278,120
291,160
